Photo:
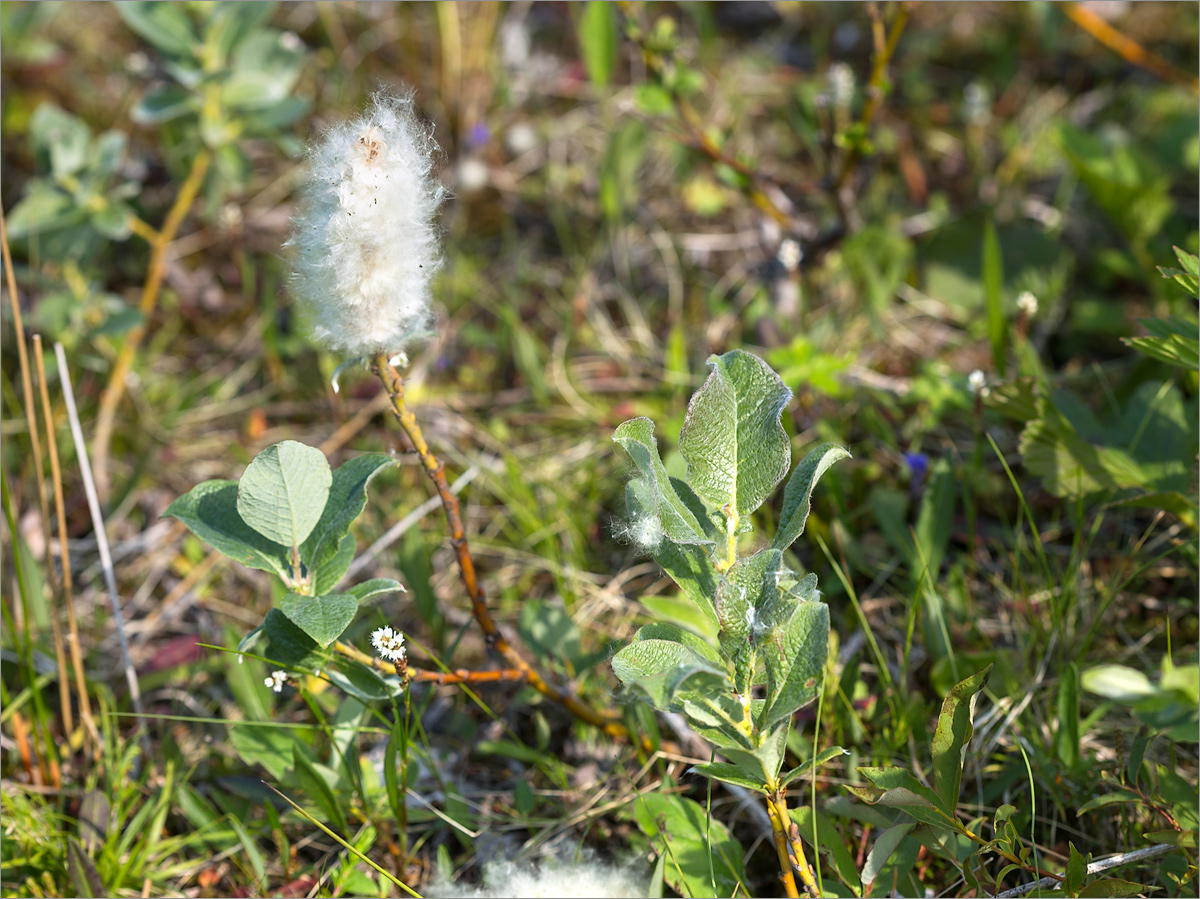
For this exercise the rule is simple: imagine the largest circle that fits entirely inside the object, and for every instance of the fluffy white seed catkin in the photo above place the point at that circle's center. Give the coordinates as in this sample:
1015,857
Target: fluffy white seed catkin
365,244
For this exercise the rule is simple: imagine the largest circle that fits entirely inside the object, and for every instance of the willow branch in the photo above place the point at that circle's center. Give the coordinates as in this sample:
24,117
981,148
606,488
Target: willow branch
1126,47
160,242
875,93
440,678
436,470
777,812
700,140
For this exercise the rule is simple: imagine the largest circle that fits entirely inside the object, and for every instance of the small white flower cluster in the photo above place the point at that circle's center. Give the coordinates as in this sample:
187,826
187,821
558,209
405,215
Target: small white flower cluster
1027,303
365,244
977,381
276,680
790,255
388,643
977,103
841,85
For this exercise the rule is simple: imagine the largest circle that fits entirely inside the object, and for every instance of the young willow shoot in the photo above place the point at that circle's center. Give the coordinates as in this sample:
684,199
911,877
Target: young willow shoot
772,627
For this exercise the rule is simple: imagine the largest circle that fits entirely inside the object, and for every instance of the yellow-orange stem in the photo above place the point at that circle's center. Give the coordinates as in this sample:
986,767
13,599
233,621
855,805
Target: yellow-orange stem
160,242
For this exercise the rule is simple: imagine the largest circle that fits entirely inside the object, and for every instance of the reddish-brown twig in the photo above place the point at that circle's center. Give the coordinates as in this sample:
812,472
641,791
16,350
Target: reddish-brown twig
1129,49
394,385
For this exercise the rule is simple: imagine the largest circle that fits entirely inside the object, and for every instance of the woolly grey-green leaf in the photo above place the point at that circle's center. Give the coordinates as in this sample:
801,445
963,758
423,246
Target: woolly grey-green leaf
735,446
282,492
794,657
779,601
797,496
210,512
688,564
658,496
660,658
739,594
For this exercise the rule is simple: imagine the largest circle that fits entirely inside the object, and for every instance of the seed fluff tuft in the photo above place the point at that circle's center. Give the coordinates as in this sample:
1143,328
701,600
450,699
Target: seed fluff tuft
365,246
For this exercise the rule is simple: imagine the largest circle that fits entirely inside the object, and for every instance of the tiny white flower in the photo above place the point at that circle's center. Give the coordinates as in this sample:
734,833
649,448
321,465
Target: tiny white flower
276,680
388,643
841,85
790,255
977,100
1027,303
365,243
977,381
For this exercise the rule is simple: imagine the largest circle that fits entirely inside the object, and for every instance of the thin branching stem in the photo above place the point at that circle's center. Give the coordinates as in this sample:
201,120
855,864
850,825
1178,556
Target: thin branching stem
875,93
1128,49
777,811
394,385
160,243
441,678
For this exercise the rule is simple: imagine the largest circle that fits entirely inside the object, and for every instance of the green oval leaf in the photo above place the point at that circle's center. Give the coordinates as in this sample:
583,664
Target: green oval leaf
954,729
731,774
163,105
346,498
797,497
376,587
283,491
363,682
794,658
323,618
289,645
210,512
736,448
655,494
165,25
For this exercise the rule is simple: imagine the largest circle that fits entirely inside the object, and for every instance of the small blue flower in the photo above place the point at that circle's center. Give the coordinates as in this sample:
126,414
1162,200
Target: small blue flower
479,135
918,464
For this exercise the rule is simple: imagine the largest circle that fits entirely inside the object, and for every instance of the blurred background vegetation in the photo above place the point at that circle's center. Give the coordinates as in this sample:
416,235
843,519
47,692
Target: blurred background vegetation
859,193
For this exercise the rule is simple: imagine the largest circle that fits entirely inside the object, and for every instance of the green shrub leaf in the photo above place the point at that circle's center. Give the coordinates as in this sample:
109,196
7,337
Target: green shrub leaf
797,496
661,659
379,586
897,788
699,849
655,494
956,724
282,492
164,25
794,658
731,774
289,645
740,593
210,512
735,446
323,618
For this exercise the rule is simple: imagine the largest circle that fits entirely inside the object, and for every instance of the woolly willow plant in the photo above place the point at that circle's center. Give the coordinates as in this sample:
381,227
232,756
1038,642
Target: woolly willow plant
366,249
772,628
